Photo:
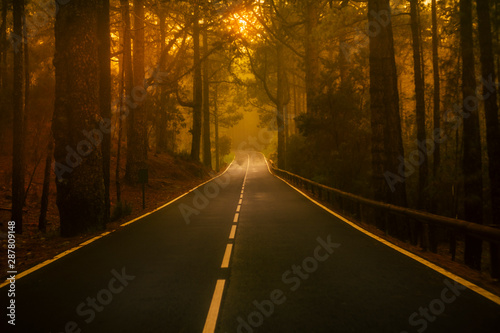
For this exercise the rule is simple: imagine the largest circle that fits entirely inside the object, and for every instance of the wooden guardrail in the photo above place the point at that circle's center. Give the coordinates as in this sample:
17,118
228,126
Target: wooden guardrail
352,206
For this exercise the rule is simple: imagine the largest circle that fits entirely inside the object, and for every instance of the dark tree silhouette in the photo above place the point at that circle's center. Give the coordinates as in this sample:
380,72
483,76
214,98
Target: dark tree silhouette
471,163
387,144
18,147
197,88
312,59
491,113
105,96
420,103
80,189
44,202
437,89
162,123
207,155
137,143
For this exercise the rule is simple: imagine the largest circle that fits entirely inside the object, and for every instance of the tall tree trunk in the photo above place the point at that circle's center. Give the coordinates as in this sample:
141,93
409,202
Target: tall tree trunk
79,181
197,88
496,24
4,84
127,81
436,119
295,103
473,183
3,66
312,69
387,144
3,48
137,145
27,86
207,154
127,49
162,124
420,105
105,97
491,113
172,125
216,125
18,148
120,131
280,117
42,219
437,90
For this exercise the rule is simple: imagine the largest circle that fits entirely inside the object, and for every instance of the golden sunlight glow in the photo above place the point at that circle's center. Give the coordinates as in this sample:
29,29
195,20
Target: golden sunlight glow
245,23
242,25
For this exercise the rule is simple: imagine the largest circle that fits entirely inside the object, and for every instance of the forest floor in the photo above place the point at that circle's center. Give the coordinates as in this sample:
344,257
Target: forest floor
169,177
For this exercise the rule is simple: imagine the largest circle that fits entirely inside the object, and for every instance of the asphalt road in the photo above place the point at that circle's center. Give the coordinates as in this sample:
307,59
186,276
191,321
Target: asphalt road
291,267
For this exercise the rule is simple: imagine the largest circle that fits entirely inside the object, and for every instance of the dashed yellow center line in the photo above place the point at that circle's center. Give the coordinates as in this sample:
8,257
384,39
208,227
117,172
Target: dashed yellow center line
227,256
233,232
213,312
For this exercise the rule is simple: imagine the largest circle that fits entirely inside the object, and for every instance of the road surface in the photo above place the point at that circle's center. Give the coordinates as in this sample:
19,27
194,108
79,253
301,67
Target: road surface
243,253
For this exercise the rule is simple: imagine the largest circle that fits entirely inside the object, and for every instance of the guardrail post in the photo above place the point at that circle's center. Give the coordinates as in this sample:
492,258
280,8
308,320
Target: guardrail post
495,257
358,209
386,223
425,237
453,244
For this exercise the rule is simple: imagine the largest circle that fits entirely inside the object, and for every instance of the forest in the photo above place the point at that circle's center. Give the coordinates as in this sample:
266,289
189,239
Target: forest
396,101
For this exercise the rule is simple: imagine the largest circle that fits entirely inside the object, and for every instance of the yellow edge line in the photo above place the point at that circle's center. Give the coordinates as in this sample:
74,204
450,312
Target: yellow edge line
227,256
174,200
213,312
492,297
60,255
